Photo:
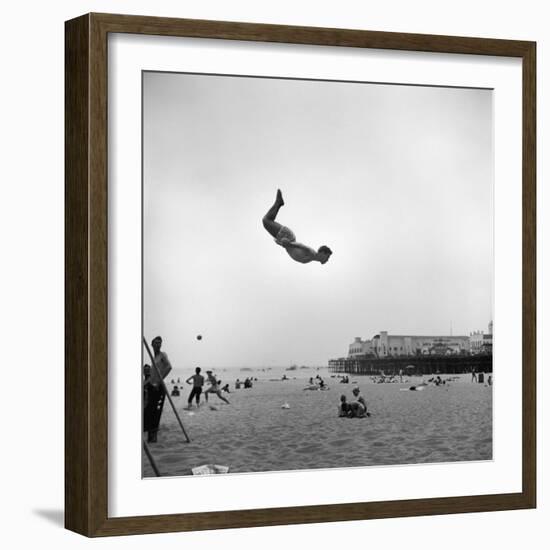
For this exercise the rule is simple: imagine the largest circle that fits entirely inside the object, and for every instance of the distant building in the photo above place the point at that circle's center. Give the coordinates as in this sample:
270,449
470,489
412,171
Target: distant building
360,347
393,353
481,342
395,345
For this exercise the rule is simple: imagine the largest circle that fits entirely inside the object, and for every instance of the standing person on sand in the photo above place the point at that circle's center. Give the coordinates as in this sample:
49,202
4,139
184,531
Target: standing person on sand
198,382
155,391
285,237
146,378
214,387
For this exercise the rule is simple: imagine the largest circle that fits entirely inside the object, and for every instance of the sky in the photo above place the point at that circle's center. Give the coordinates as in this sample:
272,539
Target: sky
396,180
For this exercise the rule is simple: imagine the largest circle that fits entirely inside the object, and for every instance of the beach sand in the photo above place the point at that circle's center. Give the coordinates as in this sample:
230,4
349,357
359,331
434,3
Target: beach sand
449,423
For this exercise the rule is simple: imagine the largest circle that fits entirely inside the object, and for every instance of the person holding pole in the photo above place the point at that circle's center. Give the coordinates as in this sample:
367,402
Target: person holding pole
156,392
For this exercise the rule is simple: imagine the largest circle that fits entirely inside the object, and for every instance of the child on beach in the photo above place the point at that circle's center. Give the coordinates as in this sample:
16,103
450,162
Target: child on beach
214,387
285,237
343,408
198,382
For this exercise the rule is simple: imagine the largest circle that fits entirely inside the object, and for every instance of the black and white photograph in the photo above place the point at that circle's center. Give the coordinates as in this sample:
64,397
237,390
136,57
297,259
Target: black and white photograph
317,274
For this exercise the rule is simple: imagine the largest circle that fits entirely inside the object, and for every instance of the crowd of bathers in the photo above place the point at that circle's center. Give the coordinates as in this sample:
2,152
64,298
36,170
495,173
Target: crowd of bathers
316,383
247,383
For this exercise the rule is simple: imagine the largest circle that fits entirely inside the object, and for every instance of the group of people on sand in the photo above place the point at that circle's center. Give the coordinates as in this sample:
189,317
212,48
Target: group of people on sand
389,379
437,380
247,383
316,383
353,409
198,381
154,389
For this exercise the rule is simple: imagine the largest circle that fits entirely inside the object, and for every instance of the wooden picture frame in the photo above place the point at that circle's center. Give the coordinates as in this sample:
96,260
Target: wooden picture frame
86,294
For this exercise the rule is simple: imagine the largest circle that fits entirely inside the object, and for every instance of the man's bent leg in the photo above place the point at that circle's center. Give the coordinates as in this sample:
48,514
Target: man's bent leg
268,220
272,227
219,394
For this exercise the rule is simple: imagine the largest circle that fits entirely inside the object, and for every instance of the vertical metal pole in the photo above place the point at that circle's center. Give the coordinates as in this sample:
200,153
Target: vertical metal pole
151,459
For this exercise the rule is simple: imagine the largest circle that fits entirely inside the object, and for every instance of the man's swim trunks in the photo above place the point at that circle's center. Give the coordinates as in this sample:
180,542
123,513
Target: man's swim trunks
285,233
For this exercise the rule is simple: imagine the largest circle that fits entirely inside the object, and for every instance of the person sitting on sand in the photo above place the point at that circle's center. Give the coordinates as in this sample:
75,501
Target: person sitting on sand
343,408
198,382
355,409
362,404
358,409
214,387
285,237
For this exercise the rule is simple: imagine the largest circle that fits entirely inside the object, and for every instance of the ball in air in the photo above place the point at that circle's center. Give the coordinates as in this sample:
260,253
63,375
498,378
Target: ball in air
199,336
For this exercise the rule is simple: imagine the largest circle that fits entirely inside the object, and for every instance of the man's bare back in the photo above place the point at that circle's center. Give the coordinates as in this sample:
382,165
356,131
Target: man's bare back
285,237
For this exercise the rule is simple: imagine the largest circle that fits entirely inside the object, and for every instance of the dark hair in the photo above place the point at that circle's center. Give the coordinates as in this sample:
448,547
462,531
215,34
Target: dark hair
197,370
324,250
156,339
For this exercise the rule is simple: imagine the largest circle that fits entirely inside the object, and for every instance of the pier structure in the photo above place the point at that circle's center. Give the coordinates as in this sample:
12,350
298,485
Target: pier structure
411,365
390,353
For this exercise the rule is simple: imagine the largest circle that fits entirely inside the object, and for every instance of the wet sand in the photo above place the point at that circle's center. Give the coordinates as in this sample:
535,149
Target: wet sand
448,423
